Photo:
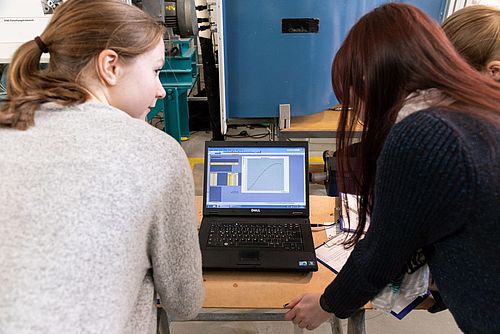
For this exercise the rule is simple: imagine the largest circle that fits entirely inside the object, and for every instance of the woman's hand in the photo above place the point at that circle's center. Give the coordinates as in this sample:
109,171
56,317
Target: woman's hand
306,312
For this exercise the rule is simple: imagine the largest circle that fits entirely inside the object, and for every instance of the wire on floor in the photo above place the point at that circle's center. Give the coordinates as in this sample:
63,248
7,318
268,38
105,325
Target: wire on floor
245,134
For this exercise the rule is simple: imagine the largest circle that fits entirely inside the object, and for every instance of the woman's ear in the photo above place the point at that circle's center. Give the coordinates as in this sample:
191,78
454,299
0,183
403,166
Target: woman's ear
107,67
493,69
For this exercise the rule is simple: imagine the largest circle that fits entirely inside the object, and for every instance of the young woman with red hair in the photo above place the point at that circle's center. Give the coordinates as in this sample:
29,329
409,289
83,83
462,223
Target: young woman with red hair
430,169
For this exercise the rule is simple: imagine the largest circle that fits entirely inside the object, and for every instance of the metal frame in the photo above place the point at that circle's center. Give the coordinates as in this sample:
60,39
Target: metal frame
355,324
454,5
221,61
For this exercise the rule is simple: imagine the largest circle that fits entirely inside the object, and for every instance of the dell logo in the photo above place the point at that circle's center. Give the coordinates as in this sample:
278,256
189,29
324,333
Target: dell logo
254,210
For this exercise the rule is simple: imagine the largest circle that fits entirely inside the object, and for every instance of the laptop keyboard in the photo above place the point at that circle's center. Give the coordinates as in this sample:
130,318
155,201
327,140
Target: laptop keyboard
249,235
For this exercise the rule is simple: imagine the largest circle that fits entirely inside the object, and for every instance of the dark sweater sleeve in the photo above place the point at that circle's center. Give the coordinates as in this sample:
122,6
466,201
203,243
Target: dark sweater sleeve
420,192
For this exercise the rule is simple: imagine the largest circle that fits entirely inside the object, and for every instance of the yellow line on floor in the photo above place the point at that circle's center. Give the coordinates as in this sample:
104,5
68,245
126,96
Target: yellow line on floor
195,161
315,160
200,161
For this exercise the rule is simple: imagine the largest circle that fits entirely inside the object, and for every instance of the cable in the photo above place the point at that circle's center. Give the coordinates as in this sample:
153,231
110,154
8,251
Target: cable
259,135
160,121
156,120
325,225
245,134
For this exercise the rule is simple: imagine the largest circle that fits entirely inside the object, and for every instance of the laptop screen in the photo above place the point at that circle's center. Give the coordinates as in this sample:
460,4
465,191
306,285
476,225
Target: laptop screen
256,175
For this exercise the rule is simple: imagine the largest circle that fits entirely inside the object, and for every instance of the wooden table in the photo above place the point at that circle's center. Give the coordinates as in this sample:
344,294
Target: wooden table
254,291
267,289
318,125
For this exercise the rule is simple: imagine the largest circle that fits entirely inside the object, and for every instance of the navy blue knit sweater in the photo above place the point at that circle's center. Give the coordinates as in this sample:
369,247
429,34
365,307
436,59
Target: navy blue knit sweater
438,188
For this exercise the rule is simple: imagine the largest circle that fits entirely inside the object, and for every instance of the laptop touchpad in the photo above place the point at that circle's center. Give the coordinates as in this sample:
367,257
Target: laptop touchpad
249,257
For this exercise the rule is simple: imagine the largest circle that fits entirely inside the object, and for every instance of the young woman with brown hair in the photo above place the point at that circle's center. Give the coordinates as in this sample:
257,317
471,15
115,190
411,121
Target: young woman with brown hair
428,182
475,33
97,213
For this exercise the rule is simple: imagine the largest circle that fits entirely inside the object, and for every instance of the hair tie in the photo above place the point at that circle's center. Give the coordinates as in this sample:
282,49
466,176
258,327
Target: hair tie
41,45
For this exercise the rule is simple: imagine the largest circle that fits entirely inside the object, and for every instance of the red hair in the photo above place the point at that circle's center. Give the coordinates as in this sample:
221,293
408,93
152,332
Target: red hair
389,53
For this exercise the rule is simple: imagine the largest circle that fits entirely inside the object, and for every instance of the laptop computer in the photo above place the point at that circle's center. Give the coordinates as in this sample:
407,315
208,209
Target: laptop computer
256,207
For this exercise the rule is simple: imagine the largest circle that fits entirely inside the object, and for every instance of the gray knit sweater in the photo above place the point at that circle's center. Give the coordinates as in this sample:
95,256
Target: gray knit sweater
96,215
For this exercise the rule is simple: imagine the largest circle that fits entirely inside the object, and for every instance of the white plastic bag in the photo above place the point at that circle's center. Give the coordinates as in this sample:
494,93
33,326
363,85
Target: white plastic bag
407,287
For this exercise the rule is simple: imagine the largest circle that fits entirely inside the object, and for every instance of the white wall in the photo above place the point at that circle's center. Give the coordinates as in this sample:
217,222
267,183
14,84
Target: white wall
20,21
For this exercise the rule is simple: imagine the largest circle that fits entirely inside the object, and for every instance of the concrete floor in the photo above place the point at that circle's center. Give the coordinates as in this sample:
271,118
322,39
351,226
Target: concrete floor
377,322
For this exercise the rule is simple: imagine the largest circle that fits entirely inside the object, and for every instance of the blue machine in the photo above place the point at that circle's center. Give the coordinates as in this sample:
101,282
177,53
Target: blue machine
280,52
178,76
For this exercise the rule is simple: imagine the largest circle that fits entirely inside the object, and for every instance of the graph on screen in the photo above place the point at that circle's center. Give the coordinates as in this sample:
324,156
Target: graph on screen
268,174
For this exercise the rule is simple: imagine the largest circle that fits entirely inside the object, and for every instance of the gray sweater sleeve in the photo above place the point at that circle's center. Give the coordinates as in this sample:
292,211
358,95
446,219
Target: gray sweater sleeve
97,215
174,248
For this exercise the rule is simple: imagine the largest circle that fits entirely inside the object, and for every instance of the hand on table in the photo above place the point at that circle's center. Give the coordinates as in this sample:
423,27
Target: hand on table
306,312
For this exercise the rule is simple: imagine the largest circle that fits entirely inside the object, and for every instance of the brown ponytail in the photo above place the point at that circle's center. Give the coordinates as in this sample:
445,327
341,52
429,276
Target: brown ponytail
28,86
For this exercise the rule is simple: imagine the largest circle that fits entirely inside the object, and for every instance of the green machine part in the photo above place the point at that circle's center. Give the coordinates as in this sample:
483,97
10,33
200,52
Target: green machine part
178,76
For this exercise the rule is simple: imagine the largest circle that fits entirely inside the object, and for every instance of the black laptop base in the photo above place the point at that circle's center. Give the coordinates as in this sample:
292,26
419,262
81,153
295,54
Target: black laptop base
237,254
251,260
